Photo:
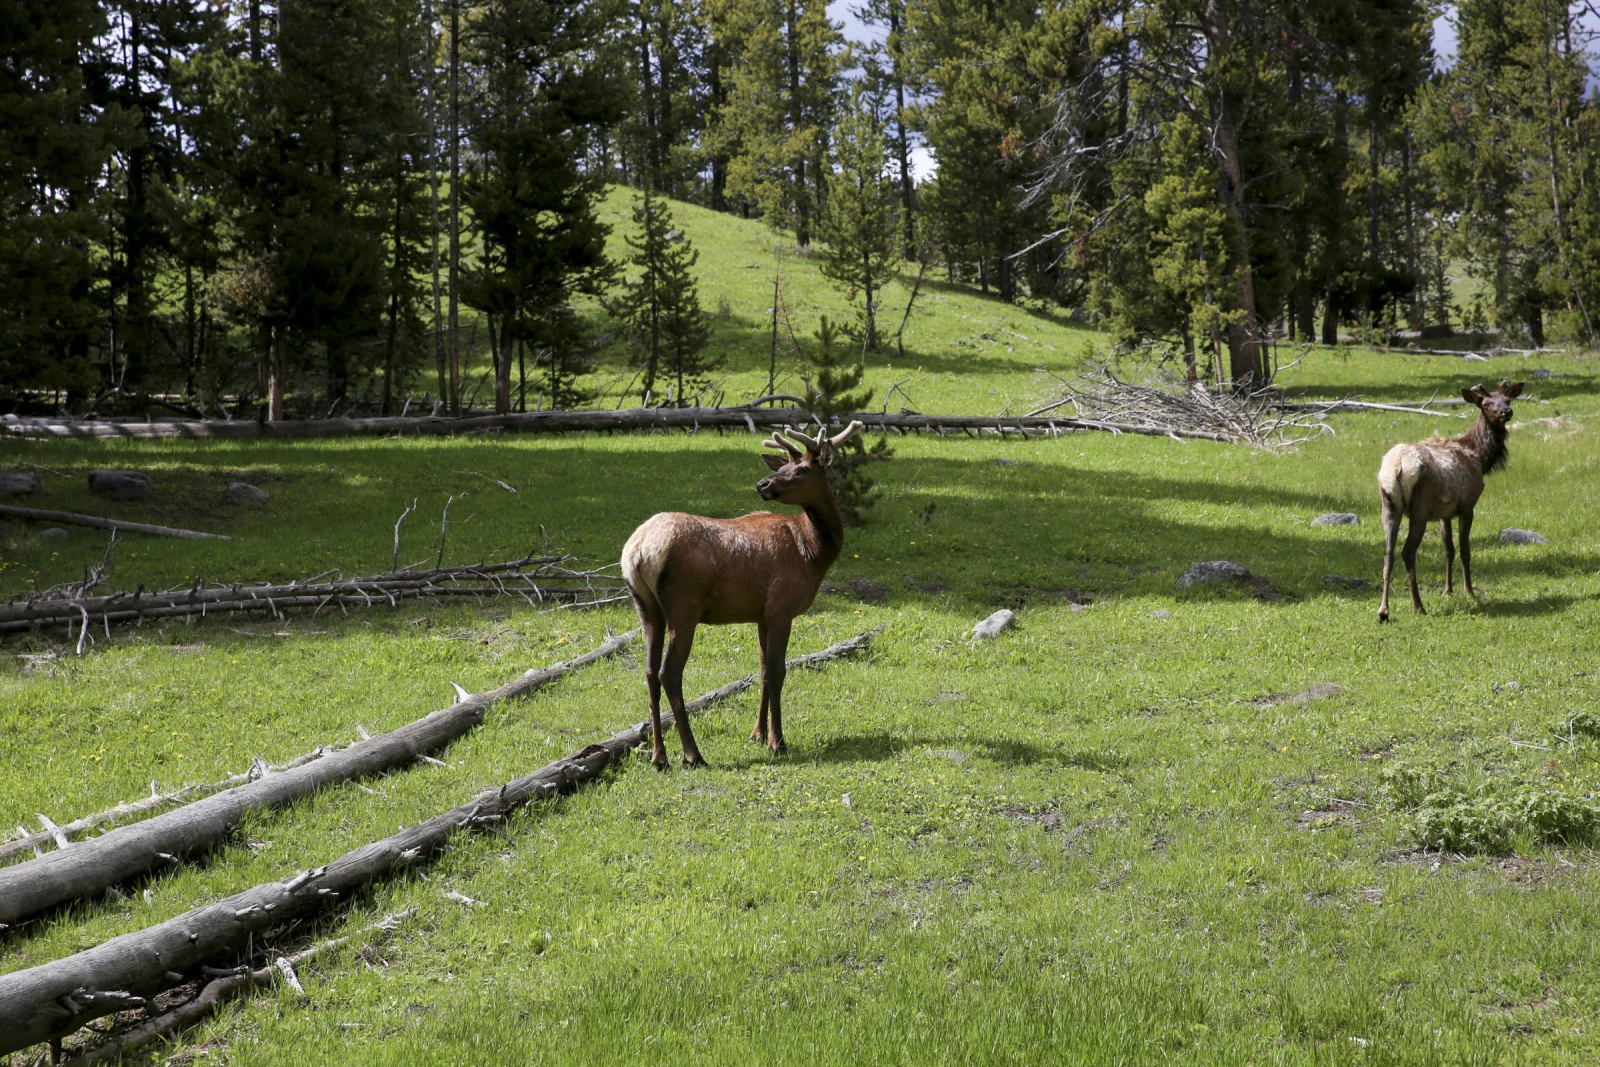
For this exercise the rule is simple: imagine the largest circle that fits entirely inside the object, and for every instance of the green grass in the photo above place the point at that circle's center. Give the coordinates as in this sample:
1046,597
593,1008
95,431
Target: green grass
1090,841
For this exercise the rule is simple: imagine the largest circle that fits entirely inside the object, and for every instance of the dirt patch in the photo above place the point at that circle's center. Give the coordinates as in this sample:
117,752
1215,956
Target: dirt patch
1320,691
863,589
1020,596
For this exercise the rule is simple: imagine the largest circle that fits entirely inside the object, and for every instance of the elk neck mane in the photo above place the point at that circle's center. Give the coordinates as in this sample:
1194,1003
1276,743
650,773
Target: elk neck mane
1487,442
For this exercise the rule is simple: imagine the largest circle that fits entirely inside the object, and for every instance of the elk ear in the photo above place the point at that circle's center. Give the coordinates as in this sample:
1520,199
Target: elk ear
1512,389
1475,395
775,463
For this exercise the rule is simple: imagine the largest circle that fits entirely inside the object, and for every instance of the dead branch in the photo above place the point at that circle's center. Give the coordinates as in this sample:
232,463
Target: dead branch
127,809
219,990
9,511
52,1000
90,867
541,577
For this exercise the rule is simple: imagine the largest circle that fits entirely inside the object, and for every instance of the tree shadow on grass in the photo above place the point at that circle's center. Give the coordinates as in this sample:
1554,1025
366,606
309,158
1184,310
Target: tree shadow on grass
881,747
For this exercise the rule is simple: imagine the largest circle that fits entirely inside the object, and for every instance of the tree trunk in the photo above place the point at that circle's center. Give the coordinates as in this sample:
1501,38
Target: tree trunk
454,398
88,868
1244,344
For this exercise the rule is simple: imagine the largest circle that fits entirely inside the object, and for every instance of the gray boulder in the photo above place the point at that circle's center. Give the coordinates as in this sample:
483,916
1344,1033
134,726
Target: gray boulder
994,625
1337,518
18,484
51,533
1217,570
121,485
1513,536
245,493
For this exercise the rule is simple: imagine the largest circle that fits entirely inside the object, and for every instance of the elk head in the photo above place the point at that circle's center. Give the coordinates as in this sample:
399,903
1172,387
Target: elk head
800,474
1496,406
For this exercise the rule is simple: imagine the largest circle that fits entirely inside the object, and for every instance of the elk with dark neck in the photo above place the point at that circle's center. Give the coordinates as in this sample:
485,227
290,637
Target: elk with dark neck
1441,479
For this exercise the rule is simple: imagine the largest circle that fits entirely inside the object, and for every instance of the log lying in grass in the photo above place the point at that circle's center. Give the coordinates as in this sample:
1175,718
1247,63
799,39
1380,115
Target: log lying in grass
47,1002
217,992
755,420
72,518
90,867
537,579
127,809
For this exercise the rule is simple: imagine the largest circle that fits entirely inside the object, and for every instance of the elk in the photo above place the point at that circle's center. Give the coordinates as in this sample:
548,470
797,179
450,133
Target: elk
684,570
1441,478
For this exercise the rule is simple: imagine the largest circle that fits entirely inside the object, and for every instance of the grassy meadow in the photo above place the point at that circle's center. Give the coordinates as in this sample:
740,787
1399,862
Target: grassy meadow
1109,836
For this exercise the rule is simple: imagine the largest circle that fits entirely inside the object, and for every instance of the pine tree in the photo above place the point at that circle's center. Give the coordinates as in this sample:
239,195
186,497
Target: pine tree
833,389
542,100
861,245
661,307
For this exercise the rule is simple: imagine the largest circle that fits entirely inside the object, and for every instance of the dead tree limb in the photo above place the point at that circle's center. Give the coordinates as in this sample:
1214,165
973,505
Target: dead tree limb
47,1002
127,809
90,867
217,992
8,511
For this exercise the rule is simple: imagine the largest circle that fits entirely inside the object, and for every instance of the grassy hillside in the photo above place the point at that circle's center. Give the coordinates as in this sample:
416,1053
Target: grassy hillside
1106,837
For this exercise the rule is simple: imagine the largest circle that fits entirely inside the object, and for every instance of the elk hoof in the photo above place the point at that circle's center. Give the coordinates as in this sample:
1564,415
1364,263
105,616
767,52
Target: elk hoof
778,748
1383,617
659,762
694,763
758,737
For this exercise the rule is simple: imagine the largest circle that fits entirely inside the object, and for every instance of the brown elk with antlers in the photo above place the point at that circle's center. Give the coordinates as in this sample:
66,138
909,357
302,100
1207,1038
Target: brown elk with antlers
684,570
1441,479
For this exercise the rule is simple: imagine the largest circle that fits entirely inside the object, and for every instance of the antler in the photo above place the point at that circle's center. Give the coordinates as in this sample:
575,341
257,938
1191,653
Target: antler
778,444
814,444
848,432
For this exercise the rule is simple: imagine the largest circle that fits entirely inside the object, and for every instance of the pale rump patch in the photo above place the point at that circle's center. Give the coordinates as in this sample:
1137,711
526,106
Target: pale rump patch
1449,473
645,554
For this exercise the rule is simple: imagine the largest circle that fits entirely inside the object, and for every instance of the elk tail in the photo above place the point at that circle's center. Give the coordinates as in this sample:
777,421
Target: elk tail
644,557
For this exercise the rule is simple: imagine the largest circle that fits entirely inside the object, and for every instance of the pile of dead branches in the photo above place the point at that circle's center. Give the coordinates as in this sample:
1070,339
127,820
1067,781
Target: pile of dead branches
1255,417
539,580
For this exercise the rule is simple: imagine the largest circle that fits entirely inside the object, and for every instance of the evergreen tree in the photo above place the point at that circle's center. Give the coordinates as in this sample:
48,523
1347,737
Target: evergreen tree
861,247
888,69
661,308
542,100
781,88
58,137
833,389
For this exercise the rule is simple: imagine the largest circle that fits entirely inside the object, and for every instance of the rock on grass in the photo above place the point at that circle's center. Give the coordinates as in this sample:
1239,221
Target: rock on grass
121,485
1513,536
1217,570
18,483
245,493
1337,518
994,625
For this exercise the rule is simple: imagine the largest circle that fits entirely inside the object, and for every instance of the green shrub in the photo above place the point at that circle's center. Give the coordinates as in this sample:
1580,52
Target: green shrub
1494,817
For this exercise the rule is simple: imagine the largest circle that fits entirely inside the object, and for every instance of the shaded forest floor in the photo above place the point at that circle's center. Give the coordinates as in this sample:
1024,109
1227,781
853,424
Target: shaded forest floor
1107,836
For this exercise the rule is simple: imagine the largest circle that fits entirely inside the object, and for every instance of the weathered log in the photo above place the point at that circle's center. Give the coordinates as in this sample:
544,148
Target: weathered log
1362,405
214,994
123,811
72,518
90,867
52,1000
756,419
546,580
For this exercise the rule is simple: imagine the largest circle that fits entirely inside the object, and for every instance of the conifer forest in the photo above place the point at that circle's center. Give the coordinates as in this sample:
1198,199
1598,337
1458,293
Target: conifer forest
274,210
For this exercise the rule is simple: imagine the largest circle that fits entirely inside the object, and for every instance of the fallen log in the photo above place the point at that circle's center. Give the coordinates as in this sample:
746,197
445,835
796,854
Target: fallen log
122,812
536,579
52,1000
72,518
91,867
756,420
1362,405
217,992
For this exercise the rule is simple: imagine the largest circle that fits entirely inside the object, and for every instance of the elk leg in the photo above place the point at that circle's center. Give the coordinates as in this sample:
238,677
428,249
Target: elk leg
772,671
655,630
1391,534
1466,551
759,733
1449,557
1415,528
680,639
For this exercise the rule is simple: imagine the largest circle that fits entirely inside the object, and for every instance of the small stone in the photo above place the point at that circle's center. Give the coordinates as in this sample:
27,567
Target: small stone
1002,462
1473,357
51,533
1217,570
121,485
674,237
1513,536
18,483
1337,518
994,625
1347,583
1161,614
245,493
1540,372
